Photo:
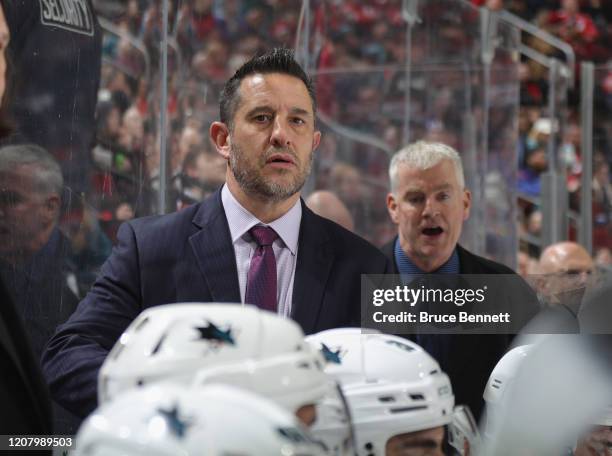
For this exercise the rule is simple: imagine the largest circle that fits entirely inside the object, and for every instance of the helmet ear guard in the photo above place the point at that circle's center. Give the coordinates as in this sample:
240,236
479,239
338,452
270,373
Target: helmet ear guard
333,427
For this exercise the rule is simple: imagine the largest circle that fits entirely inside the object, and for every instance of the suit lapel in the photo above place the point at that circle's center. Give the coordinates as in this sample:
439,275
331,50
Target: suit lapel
314,263
214,251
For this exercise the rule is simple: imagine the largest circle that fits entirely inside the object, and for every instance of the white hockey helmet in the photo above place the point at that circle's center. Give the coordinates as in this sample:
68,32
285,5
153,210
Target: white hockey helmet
551,394
169,420
240,345
392,385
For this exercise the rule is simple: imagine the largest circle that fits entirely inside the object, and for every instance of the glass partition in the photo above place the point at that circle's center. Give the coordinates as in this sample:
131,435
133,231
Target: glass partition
405,71
602,161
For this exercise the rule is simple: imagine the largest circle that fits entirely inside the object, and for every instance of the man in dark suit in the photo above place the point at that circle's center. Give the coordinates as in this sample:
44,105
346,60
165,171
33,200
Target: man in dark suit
253,241
429,203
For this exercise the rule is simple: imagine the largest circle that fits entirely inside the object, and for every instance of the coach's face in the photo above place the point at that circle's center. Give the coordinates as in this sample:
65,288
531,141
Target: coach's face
429,207
272,137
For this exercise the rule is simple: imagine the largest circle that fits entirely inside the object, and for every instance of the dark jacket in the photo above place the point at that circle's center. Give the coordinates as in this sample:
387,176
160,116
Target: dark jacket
473,357
26,406
188,256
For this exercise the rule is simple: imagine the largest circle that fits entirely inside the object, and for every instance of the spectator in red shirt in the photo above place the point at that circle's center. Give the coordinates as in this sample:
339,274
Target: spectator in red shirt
576,28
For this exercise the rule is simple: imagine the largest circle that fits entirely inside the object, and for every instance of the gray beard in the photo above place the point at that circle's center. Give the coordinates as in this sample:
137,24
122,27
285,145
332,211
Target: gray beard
254,184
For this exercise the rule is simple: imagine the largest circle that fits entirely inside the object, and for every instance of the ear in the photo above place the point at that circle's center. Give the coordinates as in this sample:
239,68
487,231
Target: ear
392,207
316,140
220,137
467,204
52,208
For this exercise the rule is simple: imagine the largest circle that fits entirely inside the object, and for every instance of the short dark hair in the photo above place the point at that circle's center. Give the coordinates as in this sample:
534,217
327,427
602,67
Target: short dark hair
278,60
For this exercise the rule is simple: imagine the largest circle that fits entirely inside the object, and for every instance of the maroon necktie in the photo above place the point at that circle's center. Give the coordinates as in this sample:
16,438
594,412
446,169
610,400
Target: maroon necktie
261,281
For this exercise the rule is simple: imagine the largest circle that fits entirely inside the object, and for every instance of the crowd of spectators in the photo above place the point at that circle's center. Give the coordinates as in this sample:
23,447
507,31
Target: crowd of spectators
587,27
359,51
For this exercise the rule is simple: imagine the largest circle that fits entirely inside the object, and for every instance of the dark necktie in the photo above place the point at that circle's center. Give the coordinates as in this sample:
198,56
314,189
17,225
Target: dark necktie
261,281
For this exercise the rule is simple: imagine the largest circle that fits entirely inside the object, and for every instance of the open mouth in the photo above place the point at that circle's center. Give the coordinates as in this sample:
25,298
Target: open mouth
281,159
432,231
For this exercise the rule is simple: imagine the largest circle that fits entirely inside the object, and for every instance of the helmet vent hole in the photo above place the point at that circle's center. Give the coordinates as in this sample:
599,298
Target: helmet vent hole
434,372
157,347
417,397
141,324
408,409
140,382
386,399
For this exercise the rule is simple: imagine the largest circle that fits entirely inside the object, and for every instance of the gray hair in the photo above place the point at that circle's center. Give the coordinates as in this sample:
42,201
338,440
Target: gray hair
424,155
48,174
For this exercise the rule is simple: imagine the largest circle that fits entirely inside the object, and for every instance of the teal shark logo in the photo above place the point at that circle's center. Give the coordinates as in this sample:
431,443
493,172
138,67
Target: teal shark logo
334,357
213,333
178,427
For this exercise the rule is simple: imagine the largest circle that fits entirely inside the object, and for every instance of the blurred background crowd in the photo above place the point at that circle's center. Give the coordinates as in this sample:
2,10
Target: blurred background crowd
354,42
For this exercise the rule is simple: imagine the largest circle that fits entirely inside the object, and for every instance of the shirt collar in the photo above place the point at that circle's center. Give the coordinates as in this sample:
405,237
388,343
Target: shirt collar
240,220
406,266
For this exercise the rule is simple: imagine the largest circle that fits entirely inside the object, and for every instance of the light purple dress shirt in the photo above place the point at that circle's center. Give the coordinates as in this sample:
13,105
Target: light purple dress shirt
285,247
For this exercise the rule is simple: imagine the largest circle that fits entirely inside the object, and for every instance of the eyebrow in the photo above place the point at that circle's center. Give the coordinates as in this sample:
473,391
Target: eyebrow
268,109
300,111
445,186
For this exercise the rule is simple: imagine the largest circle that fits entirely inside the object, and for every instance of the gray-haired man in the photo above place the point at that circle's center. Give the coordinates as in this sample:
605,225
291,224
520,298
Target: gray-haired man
428,202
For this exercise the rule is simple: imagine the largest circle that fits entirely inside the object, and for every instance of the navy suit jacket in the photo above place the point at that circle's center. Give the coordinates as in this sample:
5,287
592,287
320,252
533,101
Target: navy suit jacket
188,256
